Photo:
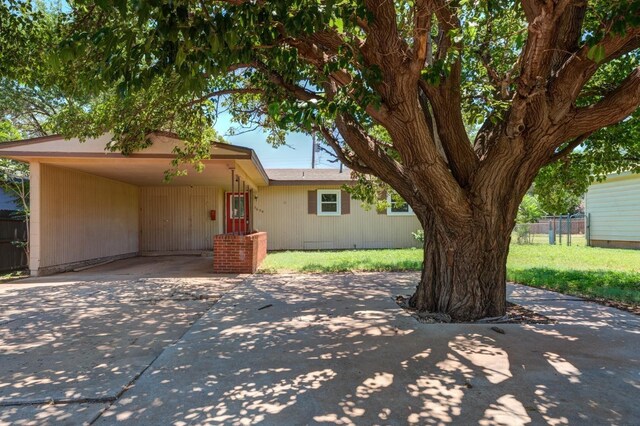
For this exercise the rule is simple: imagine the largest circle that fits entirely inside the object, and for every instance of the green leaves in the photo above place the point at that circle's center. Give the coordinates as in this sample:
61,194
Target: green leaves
529,210
596,53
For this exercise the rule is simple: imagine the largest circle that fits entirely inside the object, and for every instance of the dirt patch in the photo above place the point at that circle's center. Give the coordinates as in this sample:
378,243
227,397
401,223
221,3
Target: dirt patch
516,314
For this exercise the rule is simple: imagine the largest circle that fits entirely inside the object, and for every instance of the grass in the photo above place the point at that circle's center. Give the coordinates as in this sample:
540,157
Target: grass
8,276
343,261
610,274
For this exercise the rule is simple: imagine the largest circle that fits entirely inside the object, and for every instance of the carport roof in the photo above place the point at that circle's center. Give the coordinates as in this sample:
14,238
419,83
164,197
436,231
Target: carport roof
146,167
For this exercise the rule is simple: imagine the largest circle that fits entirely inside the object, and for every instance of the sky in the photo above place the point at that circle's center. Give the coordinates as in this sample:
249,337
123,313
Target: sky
295,155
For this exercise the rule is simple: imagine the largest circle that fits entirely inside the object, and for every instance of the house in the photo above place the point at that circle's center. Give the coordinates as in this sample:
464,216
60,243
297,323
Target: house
89,205
313,213
613,211
7,203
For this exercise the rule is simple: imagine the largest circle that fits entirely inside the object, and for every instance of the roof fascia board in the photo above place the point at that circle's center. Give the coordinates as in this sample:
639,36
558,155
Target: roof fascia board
308,182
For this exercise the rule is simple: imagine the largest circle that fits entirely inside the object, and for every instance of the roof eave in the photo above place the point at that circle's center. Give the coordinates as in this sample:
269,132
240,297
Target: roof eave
310,182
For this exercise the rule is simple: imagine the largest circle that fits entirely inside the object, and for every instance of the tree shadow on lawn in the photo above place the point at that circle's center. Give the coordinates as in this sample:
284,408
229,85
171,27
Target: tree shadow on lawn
615,285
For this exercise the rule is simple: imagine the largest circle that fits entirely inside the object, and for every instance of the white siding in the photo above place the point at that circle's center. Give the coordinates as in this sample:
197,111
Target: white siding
177,218
282,212
84,217
614,208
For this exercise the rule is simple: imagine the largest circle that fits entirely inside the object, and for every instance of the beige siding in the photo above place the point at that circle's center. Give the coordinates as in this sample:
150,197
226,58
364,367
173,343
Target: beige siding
281,211
178,218
84,217
614,208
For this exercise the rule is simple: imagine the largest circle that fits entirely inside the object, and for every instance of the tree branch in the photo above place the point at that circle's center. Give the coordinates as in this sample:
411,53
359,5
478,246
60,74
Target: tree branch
422,27
568,149
531,9
578,69
616,106
351,163
297,91
219,93
449,126
378,161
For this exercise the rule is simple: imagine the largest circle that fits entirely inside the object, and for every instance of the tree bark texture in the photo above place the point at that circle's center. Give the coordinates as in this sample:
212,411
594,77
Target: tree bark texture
464,276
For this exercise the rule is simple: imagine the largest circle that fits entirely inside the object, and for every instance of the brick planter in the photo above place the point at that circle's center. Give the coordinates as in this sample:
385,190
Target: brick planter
238,254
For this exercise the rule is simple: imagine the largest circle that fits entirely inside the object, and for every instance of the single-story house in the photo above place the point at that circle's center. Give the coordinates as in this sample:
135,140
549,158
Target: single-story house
6,201
89,205
613,211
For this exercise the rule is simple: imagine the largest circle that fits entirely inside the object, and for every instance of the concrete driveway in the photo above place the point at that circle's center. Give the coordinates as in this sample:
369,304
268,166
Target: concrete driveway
79,339
336,349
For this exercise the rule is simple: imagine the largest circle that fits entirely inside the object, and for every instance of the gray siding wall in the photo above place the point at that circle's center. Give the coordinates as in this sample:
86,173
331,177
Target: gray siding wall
85,217
614,208
177,218
282,211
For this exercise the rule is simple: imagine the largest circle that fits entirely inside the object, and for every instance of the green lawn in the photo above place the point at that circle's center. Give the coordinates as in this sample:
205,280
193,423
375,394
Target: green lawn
592,272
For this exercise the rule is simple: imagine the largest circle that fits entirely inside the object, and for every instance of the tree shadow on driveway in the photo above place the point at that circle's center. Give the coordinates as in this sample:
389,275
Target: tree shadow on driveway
78,340
336,349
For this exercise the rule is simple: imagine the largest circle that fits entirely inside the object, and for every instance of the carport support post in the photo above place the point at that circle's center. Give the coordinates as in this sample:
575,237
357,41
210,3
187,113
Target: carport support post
35,214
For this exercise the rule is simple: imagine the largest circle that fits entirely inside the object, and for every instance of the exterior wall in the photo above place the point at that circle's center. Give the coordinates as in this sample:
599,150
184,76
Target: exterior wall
614,209
6,202
239,254
82,217
177,218
282,212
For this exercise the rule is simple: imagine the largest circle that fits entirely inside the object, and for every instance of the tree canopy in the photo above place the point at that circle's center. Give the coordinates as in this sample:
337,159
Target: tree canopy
178,65
454,104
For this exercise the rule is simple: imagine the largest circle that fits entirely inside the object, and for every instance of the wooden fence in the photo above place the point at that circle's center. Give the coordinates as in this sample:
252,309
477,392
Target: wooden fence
12,257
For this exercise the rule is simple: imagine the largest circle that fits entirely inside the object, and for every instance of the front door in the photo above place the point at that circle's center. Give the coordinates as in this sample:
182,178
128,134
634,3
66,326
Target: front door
237,212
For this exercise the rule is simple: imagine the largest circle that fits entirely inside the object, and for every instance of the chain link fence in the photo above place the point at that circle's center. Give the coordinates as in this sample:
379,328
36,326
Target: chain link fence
558,230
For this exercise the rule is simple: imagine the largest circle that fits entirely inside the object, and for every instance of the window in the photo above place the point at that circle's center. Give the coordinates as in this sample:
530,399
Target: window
398,208
329,202
238,206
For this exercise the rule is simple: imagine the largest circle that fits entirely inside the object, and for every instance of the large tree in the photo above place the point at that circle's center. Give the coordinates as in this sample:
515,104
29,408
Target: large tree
456,105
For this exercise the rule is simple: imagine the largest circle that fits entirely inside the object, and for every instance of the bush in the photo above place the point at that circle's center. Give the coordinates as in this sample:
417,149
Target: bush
419,235
523,233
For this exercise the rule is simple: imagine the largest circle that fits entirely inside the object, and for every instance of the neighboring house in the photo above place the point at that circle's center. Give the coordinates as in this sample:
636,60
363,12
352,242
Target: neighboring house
88,205
7,202
613,209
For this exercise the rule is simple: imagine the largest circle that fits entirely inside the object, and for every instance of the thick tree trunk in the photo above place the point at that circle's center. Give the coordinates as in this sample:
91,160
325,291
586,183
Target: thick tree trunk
464,276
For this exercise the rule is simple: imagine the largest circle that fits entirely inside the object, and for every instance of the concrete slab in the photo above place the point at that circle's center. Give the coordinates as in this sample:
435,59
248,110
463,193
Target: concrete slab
336,349
83,337
44,415
519,293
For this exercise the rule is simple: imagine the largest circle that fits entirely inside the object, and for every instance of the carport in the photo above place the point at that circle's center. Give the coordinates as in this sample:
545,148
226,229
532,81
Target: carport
89,205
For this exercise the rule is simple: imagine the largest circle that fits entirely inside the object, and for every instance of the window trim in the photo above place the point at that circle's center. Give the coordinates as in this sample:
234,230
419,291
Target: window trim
338,195
392,213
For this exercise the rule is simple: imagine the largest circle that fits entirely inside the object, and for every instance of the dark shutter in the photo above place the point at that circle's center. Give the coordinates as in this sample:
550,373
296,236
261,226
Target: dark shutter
312,203
345,202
